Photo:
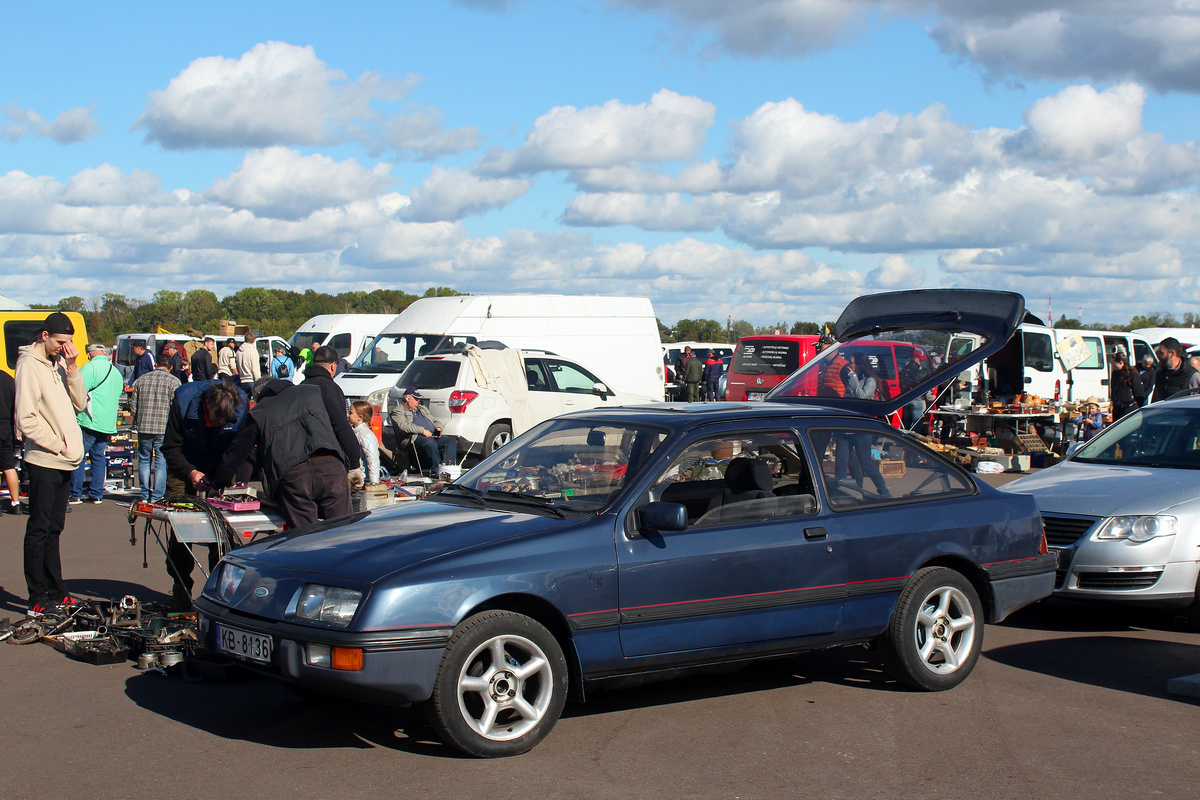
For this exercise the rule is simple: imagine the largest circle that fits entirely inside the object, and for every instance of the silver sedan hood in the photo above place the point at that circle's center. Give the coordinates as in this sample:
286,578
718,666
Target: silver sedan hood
1100,490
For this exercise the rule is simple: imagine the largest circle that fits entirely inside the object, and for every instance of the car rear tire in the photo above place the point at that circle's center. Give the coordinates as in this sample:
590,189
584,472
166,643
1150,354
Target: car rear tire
496,437
501,685
936,632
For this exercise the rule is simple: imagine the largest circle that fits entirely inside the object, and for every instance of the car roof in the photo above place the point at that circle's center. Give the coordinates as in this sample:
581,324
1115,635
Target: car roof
681,415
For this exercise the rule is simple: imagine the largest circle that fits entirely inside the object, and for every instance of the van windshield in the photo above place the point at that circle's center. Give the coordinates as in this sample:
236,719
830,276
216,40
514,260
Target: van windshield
766,357
392,352
310,339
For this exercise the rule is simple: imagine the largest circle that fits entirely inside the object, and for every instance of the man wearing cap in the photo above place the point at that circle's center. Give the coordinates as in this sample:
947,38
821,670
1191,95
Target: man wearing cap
172,349
412,426
97,422
143,362
49,393
151,406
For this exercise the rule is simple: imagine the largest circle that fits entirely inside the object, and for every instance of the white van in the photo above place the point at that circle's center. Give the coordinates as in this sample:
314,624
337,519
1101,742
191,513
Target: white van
1031,363
349,334
1188,337
265,345
155,342
617,336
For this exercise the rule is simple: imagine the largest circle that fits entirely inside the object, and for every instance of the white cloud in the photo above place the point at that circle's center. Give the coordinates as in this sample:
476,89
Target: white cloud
72,126
1154,42
282,94
783,28
282,183
450,194
106,185
894,272
670,127
1080,124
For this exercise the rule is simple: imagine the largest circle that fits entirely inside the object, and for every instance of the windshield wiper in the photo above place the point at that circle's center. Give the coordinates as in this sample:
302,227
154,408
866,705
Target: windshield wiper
527,498
474,495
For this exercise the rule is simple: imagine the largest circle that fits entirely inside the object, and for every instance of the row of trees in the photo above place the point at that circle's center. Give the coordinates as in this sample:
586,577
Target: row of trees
279,312
274,312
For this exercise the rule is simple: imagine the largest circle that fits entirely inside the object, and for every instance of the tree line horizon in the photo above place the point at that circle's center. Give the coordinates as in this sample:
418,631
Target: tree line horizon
279,312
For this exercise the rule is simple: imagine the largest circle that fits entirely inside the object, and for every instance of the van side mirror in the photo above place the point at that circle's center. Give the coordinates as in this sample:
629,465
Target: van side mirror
664,517
600,390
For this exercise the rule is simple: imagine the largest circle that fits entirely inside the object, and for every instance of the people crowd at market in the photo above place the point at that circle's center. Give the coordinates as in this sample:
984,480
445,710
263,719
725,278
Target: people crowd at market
211,419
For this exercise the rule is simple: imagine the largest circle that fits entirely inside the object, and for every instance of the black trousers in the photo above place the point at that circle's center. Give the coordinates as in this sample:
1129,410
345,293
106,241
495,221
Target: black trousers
315,489
48,492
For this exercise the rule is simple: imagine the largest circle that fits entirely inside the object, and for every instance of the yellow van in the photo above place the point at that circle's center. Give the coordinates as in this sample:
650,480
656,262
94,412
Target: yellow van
19,328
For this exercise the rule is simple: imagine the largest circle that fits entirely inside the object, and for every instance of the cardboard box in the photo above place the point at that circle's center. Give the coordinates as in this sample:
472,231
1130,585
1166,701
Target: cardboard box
891,469
229,327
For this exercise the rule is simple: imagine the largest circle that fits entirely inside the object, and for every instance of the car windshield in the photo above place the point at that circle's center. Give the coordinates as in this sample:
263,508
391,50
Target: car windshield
874,367
391,352
1157,436
436,374
310,340
767,357
565,464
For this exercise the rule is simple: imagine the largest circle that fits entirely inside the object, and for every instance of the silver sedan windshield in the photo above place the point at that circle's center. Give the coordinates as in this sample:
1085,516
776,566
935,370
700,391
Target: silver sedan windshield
1159,436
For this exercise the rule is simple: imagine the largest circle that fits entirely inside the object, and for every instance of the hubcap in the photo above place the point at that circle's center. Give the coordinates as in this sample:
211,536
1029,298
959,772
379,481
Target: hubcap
505,687
945,630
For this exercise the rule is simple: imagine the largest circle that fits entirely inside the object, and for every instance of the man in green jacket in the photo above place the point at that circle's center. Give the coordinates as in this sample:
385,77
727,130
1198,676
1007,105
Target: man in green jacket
98,421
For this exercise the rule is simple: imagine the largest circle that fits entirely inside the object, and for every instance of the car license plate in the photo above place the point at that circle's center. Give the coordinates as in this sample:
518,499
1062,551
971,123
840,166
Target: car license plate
244,644
755,395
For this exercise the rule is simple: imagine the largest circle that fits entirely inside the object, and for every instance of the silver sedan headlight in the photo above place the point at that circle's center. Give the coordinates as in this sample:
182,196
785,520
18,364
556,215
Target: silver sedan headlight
229,580
330,605
1136,529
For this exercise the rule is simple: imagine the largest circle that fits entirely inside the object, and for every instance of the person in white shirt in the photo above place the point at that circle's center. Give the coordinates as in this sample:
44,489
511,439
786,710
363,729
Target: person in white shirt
361,414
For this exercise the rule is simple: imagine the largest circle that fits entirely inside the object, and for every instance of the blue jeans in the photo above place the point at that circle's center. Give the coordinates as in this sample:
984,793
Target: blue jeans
150,446
435,452
94,445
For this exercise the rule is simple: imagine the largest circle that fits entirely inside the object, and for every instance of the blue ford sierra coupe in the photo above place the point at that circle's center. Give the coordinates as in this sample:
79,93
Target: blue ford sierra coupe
627,542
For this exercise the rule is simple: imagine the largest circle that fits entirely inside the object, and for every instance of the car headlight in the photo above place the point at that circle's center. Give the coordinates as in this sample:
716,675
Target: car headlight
1136,529
229,580
330,605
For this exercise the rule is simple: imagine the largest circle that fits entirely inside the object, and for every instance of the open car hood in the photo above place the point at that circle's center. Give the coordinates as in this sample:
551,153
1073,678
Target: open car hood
898,344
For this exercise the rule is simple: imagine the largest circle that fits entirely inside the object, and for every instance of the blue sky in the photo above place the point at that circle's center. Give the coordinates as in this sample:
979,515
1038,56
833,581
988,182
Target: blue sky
760,159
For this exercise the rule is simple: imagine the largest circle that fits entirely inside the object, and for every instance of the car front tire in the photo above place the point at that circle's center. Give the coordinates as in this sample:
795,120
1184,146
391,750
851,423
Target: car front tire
501,685
496,437
936,632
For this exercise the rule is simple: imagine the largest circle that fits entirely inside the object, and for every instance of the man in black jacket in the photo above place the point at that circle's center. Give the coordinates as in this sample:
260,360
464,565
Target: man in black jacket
320,373
303,464
203,368
1174,373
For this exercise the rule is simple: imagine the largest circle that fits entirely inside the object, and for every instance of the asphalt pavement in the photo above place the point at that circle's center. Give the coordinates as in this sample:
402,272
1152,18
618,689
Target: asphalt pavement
1068,700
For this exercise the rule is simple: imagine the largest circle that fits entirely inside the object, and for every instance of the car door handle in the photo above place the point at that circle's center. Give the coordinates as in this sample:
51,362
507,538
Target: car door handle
1029,380
815,534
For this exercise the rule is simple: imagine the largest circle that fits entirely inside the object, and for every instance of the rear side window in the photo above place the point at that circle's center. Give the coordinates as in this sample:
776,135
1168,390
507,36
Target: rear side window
1140,351
341,343
17,334
766,357
430,374
1096,358
1039,353
868,468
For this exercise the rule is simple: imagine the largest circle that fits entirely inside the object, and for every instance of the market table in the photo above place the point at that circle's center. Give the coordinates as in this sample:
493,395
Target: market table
1021,420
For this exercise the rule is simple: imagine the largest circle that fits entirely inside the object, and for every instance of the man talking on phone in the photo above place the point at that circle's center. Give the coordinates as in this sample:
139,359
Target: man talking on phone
50,392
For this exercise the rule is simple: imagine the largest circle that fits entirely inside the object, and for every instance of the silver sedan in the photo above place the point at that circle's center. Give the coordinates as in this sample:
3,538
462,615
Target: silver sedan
1123,511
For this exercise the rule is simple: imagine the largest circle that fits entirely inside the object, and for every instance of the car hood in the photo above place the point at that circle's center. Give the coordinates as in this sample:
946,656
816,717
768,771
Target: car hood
1101,490
368,547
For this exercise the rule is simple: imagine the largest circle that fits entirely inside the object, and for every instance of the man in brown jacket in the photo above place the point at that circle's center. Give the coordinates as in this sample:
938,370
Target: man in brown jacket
50,392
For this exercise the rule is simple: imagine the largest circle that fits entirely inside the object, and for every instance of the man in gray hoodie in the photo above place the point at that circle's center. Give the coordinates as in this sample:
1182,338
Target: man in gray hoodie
50,392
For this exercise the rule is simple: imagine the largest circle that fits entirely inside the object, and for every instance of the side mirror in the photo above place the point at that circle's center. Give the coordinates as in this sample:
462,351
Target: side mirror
664,517
600,390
